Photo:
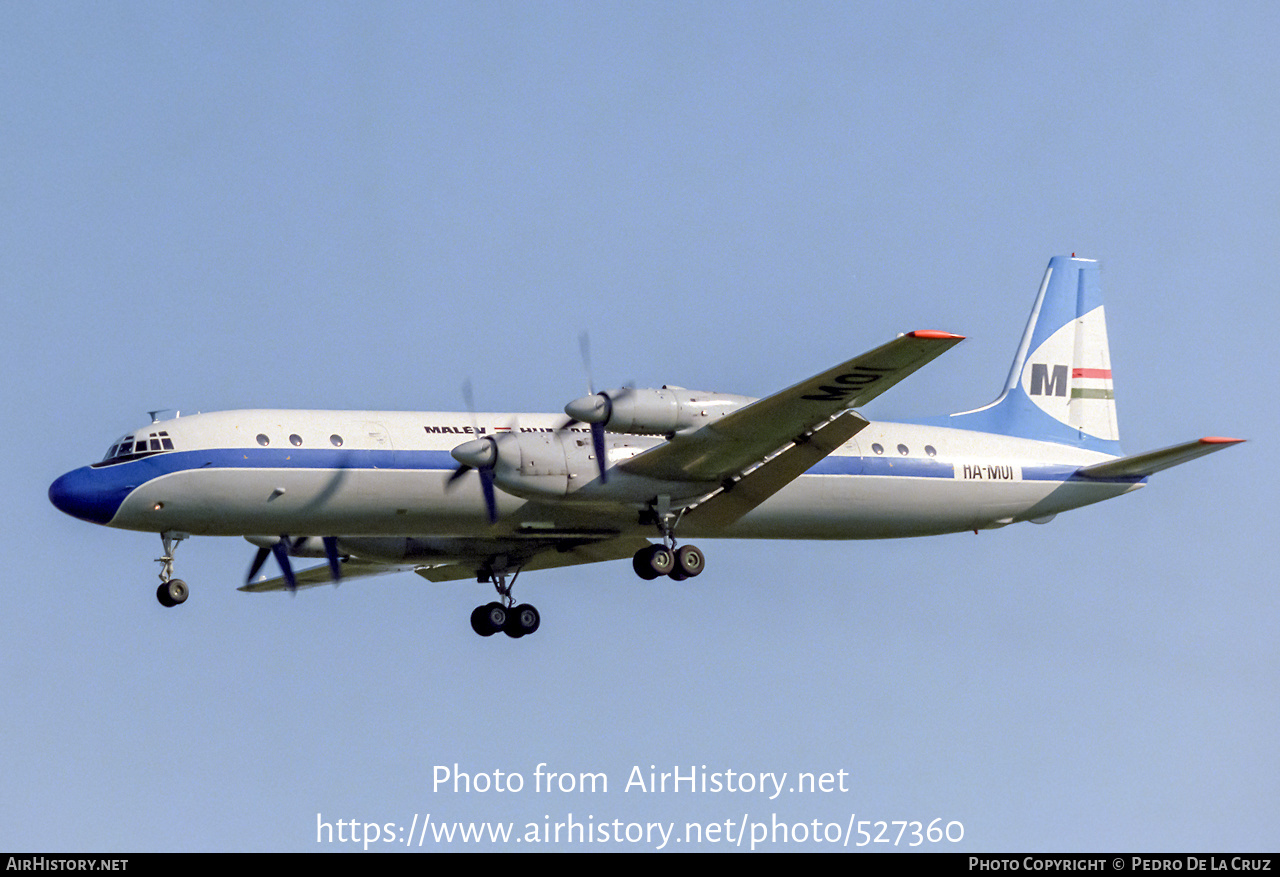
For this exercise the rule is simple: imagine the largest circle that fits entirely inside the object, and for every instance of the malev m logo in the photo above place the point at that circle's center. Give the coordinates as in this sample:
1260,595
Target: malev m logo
1045,384
1068,377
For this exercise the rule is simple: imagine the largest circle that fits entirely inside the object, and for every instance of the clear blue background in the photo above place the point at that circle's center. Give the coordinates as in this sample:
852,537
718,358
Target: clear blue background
210,206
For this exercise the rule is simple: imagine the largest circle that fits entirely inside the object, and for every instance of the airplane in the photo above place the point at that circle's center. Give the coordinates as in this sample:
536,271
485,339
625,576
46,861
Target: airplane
487,496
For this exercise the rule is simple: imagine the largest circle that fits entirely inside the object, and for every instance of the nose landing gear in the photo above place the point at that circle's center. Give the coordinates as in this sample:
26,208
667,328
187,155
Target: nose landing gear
171,592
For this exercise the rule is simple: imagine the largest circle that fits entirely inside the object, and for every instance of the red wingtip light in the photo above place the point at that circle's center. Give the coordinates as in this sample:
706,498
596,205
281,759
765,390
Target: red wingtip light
933,333
1219,440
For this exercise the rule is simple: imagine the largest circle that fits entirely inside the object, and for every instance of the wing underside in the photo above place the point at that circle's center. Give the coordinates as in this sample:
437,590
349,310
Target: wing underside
471,560
352,568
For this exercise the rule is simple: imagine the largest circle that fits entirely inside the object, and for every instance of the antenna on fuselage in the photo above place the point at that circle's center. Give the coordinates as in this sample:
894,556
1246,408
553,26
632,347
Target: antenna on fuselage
176,413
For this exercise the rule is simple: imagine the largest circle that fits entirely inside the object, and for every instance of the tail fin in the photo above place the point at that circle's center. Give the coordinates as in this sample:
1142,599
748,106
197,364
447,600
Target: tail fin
1059,388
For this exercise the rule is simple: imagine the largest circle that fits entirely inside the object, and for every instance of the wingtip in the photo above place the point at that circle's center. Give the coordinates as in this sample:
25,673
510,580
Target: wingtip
1220,440
935,334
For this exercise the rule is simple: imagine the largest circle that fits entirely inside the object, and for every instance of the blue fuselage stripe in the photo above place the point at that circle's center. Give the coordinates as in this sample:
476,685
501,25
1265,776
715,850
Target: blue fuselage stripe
95,493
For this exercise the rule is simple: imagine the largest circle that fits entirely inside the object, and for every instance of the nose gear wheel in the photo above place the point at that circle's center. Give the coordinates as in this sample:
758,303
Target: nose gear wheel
171,592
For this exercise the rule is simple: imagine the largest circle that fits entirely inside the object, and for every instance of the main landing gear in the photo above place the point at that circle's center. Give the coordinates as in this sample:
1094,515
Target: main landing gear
680,563
666,559
171,591
504,615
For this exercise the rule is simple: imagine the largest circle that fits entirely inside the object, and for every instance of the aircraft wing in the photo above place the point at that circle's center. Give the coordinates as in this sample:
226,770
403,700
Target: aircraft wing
741,439
1142,465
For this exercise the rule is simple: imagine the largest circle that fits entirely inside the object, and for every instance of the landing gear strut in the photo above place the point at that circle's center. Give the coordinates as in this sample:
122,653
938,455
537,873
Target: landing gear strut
171,591
503,614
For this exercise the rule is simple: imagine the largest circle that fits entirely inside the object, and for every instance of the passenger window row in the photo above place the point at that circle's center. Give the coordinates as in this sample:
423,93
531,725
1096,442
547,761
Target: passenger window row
878,449
296,440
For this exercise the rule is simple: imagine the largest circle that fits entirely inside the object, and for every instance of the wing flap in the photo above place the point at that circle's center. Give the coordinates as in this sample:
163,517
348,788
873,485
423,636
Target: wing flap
1141,465
762,482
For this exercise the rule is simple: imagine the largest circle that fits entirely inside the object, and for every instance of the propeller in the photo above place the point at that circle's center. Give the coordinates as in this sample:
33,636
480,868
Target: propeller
281,548
481,455
331,555
594,409
478,454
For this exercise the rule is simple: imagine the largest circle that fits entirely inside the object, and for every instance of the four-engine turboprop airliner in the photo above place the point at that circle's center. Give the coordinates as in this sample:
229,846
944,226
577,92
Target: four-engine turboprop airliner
487,496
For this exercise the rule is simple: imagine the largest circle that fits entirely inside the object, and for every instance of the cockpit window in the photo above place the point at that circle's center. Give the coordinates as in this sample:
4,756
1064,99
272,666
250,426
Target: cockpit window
133,447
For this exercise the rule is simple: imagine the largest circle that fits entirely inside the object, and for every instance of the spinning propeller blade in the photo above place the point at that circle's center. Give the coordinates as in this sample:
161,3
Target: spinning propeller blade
490,500
331,554
594,409
597,445
479,454
281,551
282,547
258,560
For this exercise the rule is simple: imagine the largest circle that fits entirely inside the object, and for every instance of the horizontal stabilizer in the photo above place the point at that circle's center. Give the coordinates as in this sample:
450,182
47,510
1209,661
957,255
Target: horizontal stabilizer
1141,465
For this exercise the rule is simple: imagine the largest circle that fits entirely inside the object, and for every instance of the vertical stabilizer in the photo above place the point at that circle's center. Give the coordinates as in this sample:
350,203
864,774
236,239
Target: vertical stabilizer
1059,388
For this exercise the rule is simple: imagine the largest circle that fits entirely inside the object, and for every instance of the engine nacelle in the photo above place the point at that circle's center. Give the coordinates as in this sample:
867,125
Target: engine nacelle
562,465
533,464
664,411
300,546
544,464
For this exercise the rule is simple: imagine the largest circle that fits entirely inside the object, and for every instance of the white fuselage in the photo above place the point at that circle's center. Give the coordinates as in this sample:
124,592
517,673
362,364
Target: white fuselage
384,473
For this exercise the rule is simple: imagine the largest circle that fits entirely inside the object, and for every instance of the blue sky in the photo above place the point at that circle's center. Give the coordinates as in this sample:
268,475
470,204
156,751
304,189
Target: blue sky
331,206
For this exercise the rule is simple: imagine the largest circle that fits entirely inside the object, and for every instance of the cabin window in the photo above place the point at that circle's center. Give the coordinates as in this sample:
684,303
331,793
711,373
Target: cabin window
931,450
878,448
263,440
295,440
902,449
336,440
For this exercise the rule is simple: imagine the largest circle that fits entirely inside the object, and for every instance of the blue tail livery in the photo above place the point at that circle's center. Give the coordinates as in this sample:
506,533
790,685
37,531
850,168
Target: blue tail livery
1059,388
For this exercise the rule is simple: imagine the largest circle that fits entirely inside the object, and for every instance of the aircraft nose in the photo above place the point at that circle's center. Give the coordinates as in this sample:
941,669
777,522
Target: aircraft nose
82,495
